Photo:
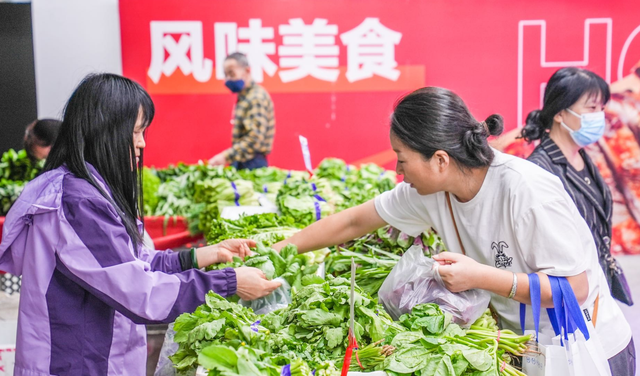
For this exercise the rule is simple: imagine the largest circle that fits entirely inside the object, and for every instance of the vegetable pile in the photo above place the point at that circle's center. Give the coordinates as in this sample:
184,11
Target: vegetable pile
199,192
296,269
16,169
311,334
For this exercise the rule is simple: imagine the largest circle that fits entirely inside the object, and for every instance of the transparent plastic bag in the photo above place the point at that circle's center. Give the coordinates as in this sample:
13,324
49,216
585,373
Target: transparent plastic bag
169,347
415,280
279,298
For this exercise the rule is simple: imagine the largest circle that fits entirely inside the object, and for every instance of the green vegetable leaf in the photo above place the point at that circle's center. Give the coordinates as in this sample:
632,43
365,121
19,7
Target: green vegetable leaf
410,359
206,331
406,338
217,357
318,317
334,336
479,359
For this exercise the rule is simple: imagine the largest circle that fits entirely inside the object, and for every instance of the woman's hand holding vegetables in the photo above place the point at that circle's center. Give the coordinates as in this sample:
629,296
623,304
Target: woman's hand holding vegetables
224,251
252,283
459,272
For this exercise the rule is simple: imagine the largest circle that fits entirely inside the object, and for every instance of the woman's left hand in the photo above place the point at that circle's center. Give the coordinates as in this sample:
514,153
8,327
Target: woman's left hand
224,251
459,272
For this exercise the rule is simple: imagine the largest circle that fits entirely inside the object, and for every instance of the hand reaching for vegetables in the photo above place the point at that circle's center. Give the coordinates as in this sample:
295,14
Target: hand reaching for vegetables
460,272
224,251
219,159
252,283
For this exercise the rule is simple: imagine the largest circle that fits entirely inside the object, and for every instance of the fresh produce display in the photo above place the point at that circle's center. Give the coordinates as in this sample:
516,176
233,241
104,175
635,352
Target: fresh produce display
311,335
16,169
356,186
199,192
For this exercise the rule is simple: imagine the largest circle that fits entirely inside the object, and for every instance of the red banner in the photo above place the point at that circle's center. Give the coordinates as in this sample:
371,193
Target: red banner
335,68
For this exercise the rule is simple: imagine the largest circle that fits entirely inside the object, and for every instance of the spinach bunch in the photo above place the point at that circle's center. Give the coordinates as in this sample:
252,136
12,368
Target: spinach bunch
315,325
434,345
216,322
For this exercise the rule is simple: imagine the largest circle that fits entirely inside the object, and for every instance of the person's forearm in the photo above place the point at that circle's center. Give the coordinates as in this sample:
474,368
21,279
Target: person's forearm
500,281
336,229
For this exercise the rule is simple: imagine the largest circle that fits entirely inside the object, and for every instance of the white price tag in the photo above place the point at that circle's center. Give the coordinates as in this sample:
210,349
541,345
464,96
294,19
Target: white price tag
304,145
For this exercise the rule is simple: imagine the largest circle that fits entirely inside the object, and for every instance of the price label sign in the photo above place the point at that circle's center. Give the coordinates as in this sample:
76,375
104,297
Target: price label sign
306,155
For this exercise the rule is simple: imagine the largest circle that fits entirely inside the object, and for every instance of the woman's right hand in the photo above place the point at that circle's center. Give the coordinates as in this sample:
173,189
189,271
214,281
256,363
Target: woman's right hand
252,283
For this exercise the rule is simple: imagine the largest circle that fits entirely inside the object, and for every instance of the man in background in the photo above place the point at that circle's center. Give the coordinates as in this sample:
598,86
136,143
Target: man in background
39,137
253,119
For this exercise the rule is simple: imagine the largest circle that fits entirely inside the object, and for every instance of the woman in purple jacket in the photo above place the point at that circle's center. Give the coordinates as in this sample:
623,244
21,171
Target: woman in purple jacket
88,283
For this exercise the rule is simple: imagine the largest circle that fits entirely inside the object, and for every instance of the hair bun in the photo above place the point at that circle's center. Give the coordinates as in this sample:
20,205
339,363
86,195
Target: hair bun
495,124
534,127
534,118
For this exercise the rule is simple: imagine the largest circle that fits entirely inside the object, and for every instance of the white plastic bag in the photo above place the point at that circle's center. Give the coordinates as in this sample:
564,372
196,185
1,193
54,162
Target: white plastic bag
415,280
279,298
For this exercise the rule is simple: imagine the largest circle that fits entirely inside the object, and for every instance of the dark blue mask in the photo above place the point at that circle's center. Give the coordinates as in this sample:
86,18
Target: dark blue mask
235,86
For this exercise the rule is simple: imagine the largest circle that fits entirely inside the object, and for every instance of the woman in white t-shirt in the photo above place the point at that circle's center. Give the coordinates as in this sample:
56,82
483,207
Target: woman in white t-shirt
513,217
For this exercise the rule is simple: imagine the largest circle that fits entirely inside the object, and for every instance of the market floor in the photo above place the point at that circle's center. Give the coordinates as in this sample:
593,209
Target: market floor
631,265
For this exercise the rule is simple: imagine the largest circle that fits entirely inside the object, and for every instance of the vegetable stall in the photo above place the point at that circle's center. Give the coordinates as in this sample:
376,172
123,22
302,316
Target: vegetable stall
309,334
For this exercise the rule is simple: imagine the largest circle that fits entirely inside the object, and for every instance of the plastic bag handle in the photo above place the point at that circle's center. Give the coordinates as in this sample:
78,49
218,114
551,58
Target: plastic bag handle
572,308
536,305
534,293
558,306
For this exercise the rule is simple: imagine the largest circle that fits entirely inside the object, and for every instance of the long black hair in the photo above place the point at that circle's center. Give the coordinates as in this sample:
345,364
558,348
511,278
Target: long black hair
565,87
97,128
432,119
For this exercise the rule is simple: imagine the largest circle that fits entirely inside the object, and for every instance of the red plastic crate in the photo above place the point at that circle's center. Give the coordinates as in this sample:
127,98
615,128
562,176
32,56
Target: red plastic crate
171,233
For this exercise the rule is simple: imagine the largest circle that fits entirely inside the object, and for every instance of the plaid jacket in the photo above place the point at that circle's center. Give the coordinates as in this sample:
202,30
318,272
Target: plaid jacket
253,125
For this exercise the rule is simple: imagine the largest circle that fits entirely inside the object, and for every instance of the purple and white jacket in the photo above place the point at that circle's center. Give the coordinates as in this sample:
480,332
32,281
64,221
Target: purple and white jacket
85,295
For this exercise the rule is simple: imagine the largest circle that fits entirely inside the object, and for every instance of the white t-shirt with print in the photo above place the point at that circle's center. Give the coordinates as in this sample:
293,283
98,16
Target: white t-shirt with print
522,220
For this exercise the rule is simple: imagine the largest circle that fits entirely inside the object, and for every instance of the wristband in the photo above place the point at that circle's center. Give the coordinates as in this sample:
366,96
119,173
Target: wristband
514,286
194,259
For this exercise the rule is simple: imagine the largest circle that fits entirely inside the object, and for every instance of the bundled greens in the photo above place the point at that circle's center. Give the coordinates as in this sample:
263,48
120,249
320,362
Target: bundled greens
268,228
213,195
199,192
177,190
444,348
307,202
377,253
